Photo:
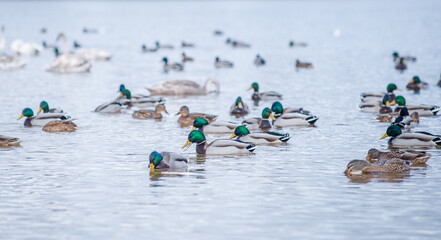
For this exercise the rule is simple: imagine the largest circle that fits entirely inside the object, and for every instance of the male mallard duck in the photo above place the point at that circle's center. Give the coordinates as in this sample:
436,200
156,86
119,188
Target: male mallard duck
44,106
378,96
183,88
262,123
214,127
6,142
416,139
416,84
377,107
291,116
139,101
259,61
186,58
60,126
109,107
148,114
240,44
186,44
422,109
239,108
243,134
174,66
396,57
387,117
413,156
144,48
401,65
188,118
166,160
381,166
303,64
406,121
218,147
222,63
40,120
257,96
163,46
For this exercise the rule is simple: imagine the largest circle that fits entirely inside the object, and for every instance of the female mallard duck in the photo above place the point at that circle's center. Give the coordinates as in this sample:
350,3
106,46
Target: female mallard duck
183,88
7,142
188,118
415,139
378,96
262,123
60,126
303,64
186,44
406,121
381,166
387,117
422,109
297,44
290,117
163,46
413,156
167,160
214,127
240,44
396,57
217,147
44,106
259,61
149,114
416,84
401,65
239,108
174,66
40,120
186,58
222,63
243,134
257,96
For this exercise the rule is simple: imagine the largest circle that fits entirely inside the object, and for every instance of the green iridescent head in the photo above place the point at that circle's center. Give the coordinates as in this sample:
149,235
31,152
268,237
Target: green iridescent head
44,106
277,108
415,79
196,136
165,59
400,100
27,112
199,123
392,131
126,93
391,87
241,131
254,86
395,54
155,158
122,87
239,102
267,113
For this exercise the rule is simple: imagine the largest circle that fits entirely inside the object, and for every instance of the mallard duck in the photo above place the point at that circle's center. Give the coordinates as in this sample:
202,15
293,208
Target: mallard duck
44,106
68,62
60,126
186,44
406,121
257,96
186,58
7,142
174,66
222,63
235,43
101,30
297,44
76,44
218,147
413,156
381,166
148,114
48,46
21,48
396,57
40,120
262,123
239,108
422,109
303,64
378,96
214,127
259,61
415,139
183,88
125,98
218,32
401,65
243,134
292,116
109,107
167,160
377,107
163,46
416,84
145,49
188,118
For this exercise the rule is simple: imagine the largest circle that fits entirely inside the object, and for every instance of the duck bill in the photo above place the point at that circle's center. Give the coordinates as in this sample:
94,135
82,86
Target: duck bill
21,116
348,172
165,110
121,95
152,167
387,104
39,110
399,89
368,158
393,103
384,136
240,105
411,81
193,128
272,116
251,87
187,144
232,136
177,113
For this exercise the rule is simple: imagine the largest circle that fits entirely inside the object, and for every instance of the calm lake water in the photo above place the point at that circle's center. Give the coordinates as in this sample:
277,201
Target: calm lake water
95,184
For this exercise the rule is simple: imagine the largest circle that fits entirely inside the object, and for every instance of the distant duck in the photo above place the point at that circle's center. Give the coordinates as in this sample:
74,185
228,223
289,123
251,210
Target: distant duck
257,96
48,46
21,48
401,64
218,32
145,49
163,46
406,121
44,107
260,123
396,57
183,88
378,96
76,44
149,114
416,139
174,66
382,107
8,62
94,30
291,119
187,118
259,61
297,44
214,127
303,64
218,147
7,142
416,84
186,44
222,63
186,58
43,119
43,30
237,44
239,108
242,133
392,166
167,160
278,109
413,156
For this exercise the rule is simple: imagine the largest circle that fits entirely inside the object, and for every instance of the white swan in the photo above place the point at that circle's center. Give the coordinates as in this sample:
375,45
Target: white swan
20,47
94,54
183,88
7,62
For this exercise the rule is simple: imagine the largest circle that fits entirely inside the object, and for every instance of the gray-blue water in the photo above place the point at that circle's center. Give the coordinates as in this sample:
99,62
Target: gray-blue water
95,184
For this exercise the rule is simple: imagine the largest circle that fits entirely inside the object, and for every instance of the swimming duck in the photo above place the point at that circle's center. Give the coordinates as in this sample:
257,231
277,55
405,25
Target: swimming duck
218,32
222,63
262,123
416,139
188,118
401,65
101,30
396,57
257,96
76,44
163,46
381,166
167,160
303,64
60,126
378,96
48,46
214,127
413,156
40,120
377,107
125,98
109,107
148,114
218,147
145,49
235,43
7,142
278,109
186,45
68,62
422,109
183,88
297,44
44,106
259,61
174,66
291,119
406,121
186,58
243,134
239,108
416,84
389,116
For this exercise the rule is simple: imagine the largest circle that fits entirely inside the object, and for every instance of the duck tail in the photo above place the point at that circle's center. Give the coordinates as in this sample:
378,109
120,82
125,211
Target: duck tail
435,110
437,141
312,119
285,138
251,147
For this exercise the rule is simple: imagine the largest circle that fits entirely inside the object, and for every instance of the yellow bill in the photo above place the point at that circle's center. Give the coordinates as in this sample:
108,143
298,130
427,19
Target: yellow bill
272,117
240,105
251,87
39,110
232,136
193,128
152,167
21,116
384,136
188,143
399,89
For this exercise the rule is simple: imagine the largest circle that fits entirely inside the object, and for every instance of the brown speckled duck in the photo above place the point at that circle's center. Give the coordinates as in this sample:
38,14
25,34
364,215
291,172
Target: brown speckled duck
7,142
188,118
60,126
414,156
149,114
381,166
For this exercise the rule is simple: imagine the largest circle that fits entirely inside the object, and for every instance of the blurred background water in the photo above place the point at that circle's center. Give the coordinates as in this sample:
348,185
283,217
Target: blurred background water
94,183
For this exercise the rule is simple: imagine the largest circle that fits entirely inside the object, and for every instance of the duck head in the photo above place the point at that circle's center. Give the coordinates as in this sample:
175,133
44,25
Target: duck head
122,87
391,87
165,60
277,108
27,112
155,161
44,106
392,131
386,101
415,79
126,93
267,113
184,111
395,55
356,165
160,108
240,131
400,100
373,154
199,123
254,86
195,136
404,112
239,102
